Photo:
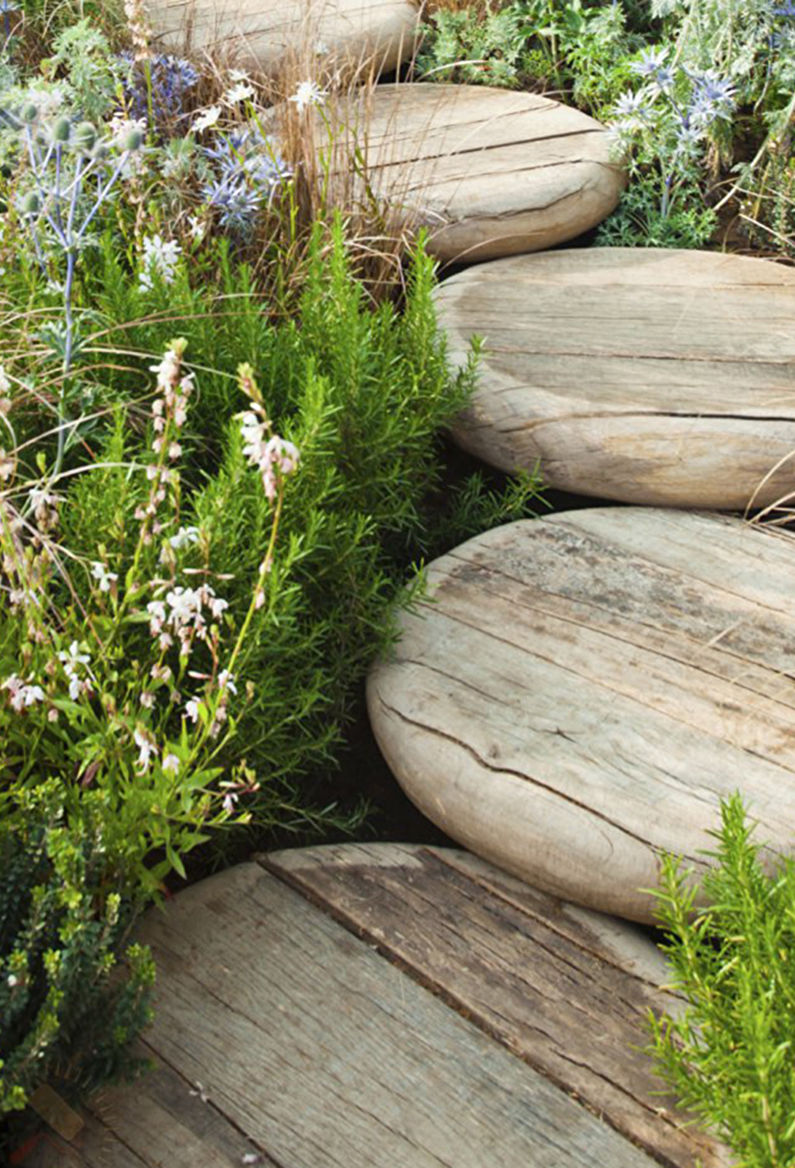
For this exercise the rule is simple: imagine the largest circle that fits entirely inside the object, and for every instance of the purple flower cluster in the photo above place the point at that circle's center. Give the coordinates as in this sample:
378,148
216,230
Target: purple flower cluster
710,98
249,172
170,78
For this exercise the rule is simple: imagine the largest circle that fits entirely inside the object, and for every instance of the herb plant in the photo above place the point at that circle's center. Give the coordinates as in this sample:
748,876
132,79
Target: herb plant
729,1054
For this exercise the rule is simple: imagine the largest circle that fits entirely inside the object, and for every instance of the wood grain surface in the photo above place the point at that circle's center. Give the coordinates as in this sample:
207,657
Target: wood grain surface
373,1005
486,171
565,989
649,376
260,32
321,1053
577,694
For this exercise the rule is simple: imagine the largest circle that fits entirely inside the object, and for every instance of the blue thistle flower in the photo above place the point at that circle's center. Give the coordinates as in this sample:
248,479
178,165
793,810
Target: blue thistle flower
250,172
171,78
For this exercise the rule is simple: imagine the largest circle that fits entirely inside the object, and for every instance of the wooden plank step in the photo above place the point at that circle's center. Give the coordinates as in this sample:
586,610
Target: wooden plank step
486,171
577,693
320,1053
261,33
644,375
566,989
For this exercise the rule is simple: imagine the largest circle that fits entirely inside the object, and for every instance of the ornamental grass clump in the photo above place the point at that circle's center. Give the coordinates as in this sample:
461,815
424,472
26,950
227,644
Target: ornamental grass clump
730,1055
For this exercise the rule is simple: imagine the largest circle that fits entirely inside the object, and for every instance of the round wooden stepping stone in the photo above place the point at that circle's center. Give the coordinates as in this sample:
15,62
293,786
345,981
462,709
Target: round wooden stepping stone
579,692
488,172
650,376
260,33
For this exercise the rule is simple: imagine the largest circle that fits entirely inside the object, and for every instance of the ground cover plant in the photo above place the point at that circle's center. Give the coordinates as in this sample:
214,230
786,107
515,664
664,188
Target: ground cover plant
221,397
698,94
728,1055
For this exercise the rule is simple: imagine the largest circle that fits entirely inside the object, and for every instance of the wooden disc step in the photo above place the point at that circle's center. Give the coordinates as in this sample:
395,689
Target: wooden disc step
488,172
261,33
577,694
368,1006
649,376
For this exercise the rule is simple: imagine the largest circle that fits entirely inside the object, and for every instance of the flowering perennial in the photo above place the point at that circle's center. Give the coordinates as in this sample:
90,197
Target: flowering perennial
249,174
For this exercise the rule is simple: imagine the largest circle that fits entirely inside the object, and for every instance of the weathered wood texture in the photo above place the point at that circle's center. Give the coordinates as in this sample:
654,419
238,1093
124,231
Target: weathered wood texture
564,988
579,692
260,33
486,171
650,376
155,1123
327,1056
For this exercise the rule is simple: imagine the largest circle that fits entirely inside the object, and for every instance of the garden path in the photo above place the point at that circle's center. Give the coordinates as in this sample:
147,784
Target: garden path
259,33
368,1006
577,693
648,376
487,172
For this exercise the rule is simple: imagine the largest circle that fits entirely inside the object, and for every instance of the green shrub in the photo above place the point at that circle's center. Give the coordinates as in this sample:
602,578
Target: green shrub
73,991
729,1055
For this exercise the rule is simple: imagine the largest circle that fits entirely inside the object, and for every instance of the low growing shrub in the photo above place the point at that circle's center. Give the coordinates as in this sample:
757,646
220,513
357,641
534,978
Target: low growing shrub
729,1055
73,990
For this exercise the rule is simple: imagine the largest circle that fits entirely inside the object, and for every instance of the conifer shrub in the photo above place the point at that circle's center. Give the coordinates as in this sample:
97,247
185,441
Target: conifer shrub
729,1054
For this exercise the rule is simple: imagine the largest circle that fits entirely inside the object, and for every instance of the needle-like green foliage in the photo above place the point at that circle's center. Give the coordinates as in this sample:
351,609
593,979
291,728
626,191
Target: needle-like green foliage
730,1054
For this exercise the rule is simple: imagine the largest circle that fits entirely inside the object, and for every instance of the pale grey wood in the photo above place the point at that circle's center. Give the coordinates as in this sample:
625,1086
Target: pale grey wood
649,376
564,988
578,693
261,33
320,1050
487,172
159,1120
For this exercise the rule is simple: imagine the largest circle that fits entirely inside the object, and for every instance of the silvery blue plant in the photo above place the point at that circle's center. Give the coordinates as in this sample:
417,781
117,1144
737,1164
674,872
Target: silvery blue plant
156,88
671,117
248,173
71,173
6,9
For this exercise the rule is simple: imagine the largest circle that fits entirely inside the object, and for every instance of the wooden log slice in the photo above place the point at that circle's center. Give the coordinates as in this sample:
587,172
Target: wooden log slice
261,33
486,171
469,1020
649,376
565,989
578,693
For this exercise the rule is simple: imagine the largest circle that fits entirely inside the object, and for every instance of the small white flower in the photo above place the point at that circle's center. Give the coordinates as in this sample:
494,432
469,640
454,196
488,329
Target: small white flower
105,578
146,747
308,93
160,258
5,384
184,538
147,699
238,93
229,800
171,763
12,980
206,119
192,709
226,680
21,694
196,227
73,657
322,49
8,465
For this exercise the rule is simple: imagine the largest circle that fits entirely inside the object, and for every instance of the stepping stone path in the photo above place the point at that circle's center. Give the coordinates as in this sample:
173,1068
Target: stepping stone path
374,1006
650,376
488,172
260,33
578,692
